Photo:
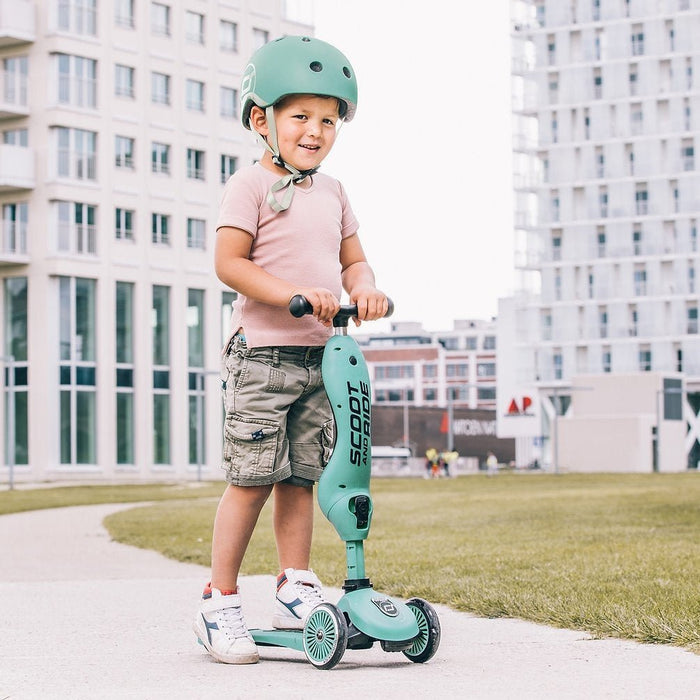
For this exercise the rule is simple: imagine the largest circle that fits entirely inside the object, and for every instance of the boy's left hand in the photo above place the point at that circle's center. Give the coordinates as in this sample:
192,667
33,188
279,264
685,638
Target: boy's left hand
371,304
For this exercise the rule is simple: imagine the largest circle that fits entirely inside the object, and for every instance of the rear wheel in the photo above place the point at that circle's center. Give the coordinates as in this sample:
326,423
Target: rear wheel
325,636
428,640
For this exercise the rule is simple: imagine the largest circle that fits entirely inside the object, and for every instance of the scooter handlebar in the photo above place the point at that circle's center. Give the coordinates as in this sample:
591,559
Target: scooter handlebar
300,306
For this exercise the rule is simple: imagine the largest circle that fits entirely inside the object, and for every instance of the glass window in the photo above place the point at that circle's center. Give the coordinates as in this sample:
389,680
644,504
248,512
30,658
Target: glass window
489,342
228,166
160,228
124,224
15,80
160,158
196,233
160,19
16,137
228,36
161,374
14,228
124,152
76,231
124,357
124,13
195,164
78,16
229,102
124,81
485,369
76,153
160,88
77,371
194,95
77,80
227,300
260,38
194,27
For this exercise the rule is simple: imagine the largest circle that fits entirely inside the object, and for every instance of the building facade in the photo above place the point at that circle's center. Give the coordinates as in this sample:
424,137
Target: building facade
119,125
606,100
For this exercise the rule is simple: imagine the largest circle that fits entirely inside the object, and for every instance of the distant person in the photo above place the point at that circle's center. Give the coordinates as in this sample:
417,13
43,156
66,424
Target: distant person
491,464
431,457
283,229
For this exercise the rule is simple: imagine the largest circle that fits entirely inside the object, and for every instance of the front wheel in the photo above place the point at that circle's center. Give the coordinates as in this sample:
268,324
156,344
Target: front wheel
428,640
325,636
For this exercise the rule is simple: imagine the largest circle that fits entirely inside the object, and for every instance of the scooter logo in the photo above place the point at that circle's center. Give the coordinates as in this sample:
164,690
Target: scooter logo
386,606
359,404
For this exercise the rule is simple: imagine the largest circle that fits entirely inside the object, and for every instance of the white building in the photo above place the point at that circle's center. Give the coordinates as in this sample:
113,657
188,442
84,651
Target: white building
119,124
606,97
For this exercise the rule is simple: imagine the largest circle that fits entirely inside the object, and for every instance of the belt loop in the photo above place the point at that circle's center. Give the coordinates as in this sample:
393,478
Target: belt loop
275,357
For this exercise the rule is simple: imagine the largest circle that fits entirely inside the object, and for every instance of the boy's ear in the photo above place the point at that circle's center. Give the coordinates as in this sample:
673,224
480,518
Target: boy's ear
258,120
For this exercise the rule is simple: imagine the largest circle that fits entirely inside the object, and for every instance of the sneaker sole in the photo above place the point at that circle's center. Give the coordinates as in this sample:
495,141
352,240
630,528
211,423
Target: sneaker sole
280,622
239,659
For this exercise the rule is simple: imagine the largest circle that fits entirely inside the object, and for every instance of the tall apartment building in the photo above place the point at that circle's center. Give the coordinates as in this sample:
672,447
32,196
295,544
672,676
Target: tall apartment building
606,98
411,366
118,127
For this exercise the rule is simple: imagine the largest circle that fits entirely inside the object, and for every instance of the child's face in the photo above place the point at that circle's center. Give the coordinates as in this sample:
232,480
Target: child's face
306,129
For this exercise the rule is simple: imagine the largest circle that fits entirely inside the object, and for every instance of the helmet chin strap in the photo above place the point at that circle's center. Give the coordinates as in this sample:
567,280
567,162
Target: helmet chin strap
287,182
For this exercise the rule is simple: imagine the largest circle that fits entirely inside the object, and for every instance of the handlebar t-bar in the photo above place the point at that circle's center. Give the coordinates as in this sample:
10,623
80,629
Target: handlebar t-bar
300,306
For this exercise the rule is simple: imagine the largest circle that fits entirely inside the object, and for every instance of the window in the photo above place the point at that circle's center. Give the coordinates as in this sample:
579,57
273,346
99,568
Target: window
596,10
641,197
691,277
78,16
160,19
633,79
227,300
228,98
124,13
160,88
601,241
551,50
602,322
599,162
546,322
160,228
195,233
76,231
629,153
14,228
77,81
430,371
161,374
634,321
123,81
228,36
637,239
228,166
15,336
553,86
194,95
457,369
637,40
15,80
485,369
160,158
16,137
645,359
692,317
260,38
597,83
489,342
688,154
486,393
393,372
640,280
471,342
124,224
124,152
603,202
606,359
195,360
195,164
636,118
124,357
558,364
554,205
77,371
194,27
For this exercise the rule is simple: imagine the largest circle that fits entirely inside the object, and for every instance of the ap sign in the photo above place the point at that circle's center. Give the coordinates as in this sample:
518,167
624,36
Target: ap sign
518,414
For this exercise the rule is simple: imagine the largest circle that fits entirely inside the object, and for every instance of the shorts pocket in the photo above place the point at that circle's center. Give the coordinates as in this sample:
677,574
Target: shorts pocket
250,447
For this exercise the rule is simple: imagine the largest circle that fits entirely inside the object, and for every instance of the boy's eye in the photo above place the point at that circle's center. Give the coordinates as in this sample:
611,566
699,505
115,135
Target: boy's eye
299,116
329,121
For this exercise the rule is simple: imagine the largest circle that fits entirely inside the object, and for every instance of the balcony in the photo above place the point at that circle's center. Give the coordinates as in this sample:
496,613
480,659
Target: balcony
17,23
16,168
13,243
13,95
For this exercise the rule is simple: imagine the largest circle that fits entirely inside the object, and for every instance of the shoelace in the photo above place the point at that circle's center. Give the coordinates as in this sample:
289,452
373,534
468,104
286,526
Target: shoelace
309,593
232,623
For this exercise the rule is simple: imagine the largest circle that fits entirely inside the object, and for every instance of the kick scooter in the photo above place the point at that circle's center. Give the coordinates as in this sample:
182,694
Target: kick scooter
362,616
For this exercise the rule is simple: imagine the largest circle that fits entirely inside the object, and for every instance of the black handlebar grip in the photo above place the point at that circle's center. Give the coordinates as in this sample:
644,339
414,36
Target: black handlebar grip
300,306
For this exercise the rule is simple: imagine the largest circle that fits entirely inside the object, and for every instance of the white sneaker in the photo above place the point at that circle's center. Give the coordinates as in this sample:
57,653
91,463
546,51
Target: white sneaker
298,593
220,628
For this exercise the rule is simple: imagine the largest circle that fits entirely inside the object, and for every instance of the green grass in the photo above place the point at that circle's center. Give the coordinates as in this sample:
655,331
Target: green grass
615,555
19,500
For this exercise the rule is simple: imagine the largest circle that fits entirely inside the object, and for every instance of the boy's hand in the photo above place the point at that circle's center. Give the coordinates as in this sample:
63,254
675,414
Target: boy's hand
325,304
371,304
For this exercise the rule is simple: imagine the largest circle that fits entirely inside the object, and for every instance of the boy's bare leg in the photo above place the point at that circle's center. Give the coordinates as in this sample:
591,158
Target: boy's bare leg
235,520
293,520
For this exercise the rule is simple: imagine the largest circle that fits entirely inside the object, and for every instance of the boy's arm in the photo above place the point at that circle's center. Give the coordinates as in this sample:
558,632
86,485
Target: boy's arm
358,281
235,269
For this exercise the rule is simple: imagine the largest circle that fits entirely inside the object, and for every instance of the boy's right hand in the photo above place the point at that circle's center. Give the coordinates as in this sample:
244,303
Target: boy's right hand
324,302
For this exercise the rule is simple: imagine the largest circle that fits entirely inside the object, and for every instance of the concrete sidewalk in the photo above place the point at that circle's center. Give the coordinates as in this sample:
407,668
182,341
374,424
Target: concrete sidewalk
84,617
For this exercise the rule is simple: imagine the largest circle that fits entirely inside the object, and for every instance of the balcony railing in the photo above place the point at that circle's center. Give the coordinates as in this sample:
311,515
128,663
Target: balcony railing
17,24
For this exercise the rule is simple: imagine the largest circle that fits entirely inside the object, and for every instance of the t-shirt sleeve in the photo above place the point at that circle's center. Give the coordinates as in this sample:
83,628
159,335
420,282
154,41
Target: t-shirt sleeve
349,223
240,204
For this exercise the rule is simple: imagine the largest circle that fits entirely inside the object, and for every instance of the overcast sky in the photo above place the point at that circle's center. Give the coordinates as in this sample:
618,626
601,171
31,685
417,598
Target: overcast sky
427,159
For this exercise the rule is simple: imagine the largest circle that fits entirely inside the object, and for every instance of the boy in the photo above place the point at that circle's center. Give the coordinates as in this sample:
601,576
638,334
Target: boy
282,230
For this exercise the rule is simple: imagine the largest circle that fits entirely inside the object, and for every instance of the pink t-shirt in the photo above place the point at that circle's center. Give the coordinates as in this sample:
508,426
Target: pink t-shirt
300,245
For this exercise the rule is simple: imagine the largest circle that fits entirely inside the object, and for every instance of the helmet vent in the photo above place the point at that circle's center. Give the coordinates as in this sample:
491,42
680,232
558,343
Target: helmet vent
346,72
316,66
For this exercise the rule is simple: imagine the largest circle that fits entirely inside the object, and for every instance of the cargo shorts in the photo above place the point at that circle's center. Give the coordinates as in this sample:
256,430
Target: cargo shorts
279,425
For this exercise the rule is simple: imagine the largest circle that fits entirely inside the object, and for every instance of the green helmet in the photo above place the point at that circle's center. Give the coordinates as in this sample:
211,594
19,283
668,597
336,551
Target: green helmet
297,65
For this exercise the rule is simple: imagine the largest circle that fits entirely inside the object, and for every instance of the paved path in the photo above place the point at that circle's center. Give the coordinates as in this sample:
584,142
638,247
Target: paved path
84,617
